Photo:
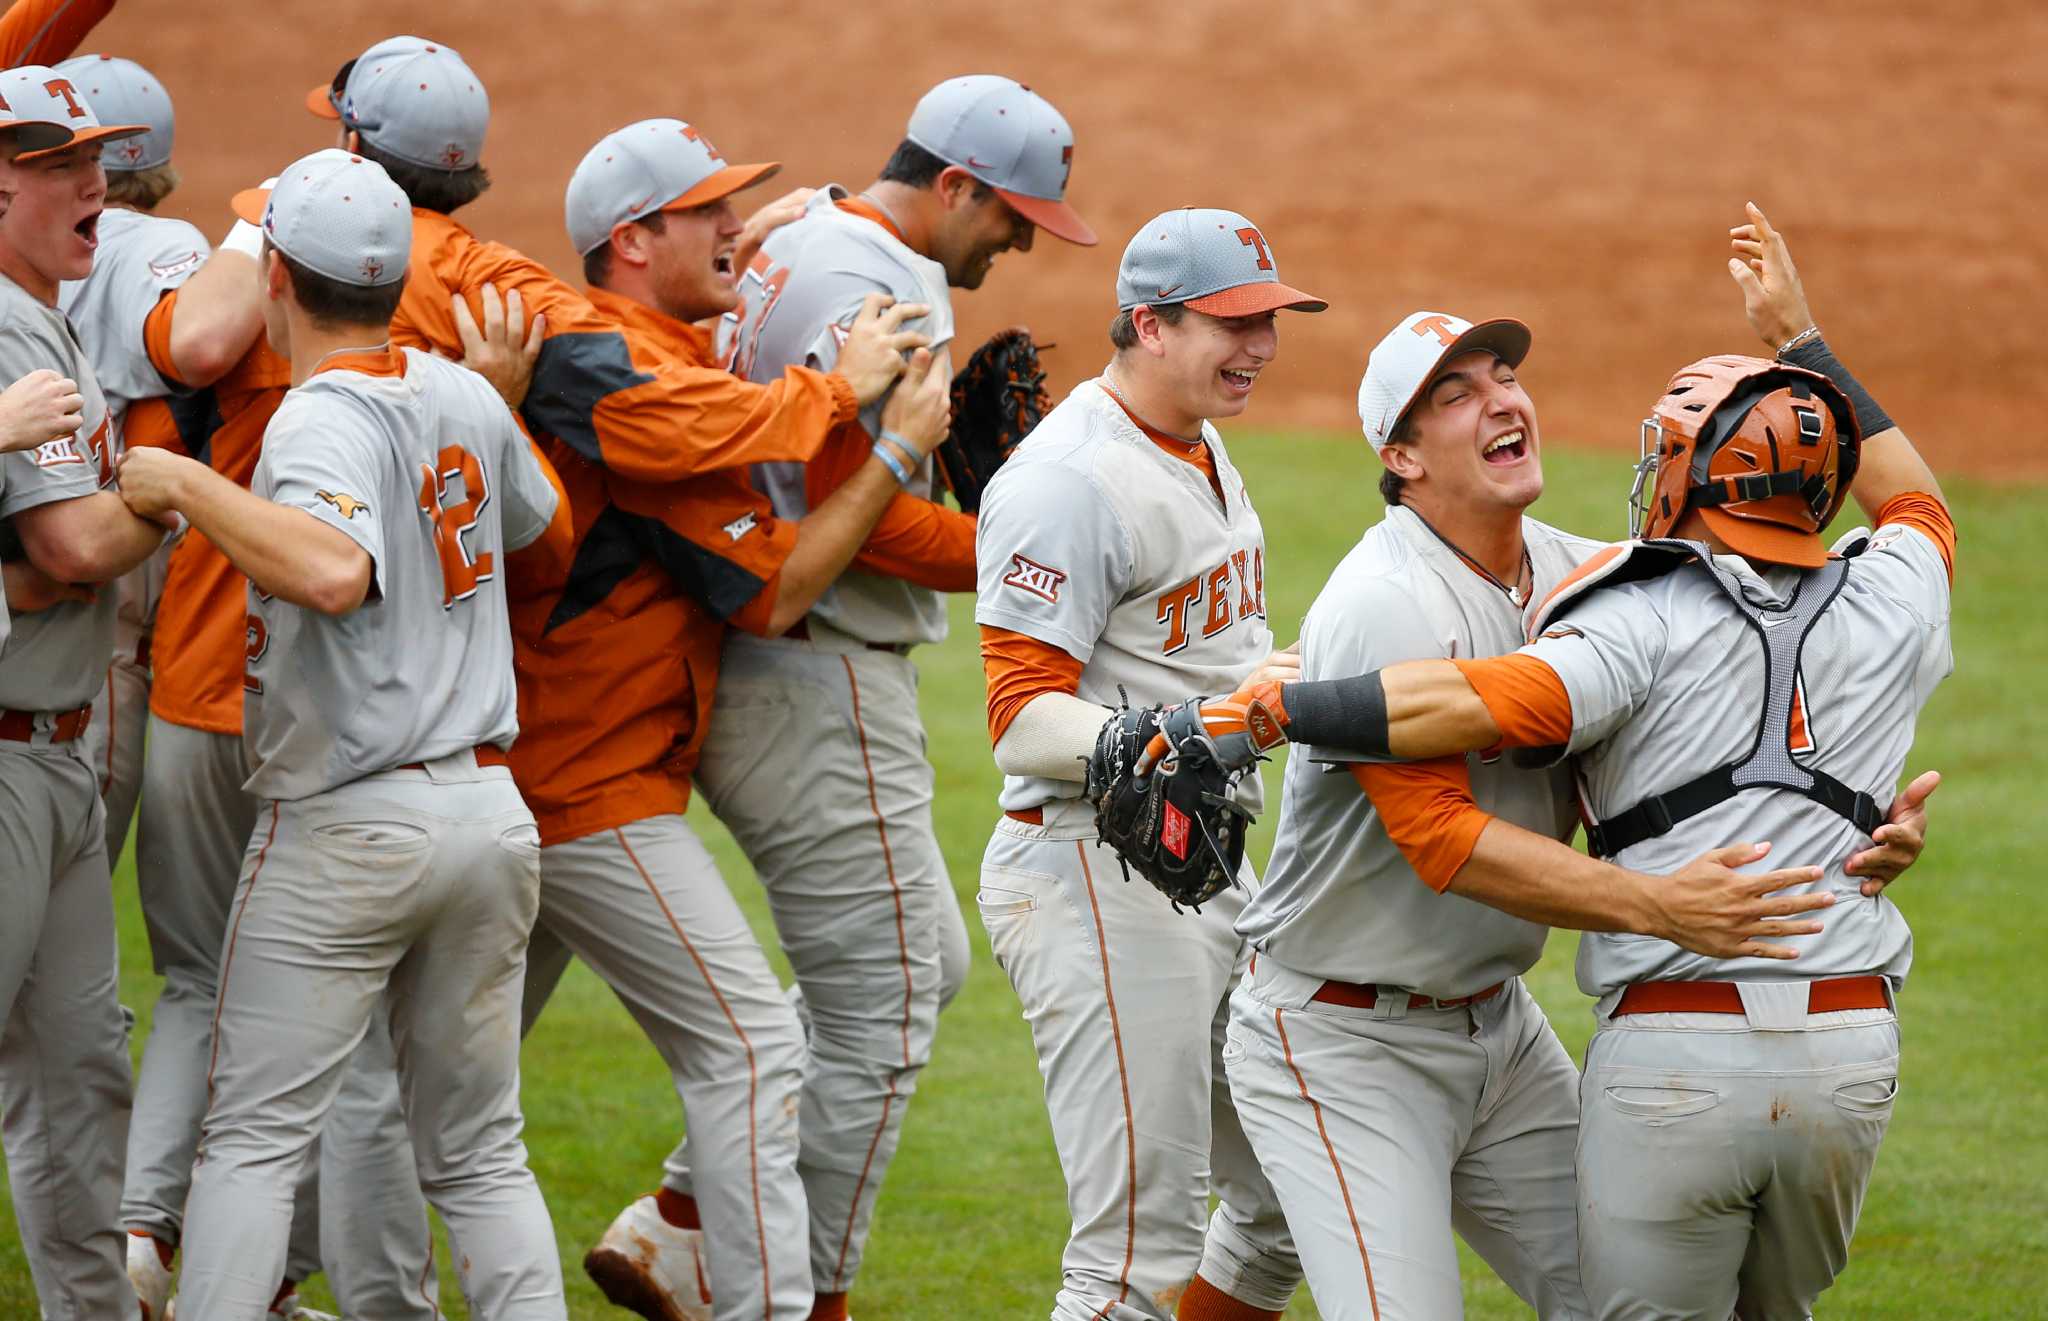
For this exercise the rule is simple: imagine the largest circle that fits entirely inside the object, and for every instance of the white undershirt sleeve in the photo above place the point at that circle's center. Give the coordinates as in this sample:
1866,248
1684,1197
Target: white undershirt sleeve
1051,738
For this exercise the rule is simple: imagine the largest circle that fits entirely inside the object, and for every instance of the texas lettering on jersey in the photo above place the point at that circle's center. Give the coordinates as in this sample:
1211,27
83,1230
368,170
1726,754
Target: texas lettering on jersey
1214,599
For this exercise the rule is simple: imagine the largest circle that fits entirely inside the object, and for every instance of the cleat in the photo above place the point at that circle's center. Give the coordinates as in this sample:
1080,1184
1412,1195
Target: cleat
651,1268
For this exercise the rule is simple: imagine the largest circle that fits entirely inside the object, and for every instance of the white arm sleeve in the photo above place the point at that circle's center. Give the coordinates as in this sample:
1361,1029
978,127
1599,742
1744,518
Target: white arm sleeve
1051,738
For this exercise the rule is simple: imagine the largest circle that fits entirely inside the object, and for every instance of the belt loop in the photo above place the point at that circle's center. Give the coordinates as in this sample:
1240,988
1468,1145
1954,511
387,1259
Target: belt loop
1389,1004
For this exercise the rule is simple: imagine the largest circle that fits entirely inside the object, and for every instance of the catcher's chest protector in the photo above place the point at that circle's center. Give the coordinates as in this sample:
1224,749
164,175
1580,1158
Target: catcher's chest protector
1770,763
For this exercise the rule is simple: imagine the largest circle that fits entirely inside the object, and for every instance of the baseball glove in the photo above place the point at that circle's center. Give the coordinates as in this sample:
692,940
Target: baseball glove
997,398
1178,826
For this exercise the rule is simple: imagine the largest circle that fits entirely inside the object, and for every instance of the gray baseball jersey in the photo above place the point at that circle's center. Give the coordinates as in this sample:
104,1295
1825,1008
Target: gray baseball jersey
55,659
1340,901
1666,680
1096,541
404,463
796,301
140,259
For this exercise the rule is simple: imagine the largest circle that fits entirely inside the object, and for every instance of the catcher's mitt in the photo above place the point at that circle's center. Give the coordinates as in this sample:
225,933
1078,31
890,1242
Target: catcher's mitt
997,398
1179,826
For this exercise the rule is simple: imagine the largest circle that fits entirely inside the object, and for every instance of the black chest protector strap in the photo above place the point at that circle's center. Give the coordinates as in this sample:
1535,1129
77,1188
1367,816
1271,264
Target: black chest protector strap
1769,764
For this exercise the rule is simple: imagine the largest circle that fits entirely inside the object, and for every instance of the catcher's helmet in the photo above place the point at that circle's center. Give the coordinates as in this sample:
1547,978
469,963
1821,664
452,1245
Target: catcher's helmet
1765,452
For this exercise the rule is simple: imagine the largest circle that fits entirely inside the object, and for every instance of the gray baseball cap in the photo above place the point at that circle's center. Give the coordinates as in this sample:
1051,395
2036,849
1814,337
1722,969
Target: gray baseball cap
644,168
1409,356
53,113
1213,261
1010,138
123,90
413,98
336,214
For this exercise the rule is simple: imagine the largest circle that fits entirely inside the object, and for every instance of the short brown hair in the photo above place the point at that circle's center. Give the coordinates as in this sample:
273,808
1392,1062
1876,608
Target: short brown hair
445,191
141,189
1391,482
1123,331
333,305
597,263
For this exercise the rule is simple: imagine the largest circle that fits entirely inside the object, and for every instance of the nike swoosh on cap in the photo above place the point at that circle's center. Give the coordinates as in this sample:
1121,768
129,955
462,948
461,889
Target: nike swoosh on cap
1164,292
642,202
977,165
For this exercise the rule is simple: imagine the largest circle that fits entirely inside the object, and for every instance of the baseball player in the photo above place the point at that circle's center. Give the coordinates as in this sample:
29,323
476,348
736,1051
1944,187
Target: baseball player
618,661
394,850
838,826
64,1079
119,311
417,109
1723,675
1119,553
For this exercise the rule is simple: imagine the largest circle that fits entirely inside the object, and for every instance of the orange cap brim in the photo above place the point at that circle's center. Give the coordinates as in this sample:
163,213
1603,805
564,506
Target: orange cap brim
249,203
1773,543
321,101
1055,218
104,133
723,184
1255,299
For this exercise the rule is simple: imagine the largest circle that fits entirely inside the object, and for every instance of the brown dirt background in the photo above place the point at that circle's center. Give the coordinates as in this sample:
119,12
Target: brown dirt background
1573,165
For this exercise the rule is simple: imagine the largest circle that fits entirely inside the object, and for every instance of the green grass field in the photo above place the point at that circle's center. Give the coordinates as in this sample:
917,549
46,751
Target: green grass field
973,1218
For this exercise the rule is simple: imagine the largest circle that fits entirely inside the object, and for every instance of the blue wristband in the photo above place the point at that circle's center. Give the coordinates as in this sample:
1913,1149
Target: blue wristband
892,462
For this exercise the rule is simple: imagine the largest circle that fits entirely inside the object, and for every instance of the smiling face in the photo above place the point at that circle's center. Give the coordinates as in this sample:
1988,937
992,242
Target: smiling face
51,225
1471,439
689,261
1214,362
973,229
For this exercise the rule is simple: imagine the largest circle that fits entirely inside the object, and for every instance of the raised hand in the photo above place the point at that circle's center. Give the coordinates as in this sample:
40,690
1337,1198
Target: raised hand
922,406
39,408
1772,296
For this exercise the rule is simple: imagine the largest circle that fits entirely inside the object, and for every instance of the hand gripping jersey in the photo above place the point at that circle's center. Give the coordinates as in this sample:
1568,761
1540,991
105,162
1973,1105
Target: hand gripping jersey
1094,540
420,463
798,297
55,659
1671,678
1340,901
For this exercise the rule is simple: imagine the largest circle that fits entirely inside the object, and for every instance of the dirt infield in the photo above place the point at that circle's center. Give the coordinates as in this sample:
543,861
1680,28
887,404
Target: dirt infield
1574,166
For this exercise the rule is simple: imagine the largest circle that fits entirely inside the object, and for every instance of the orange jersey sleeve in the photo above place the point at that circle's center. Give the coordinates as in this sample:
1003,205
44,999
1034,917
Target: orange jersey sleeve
628,405
47,31
1917,509
1019,668
156,337
1428,811
917,540
1525,698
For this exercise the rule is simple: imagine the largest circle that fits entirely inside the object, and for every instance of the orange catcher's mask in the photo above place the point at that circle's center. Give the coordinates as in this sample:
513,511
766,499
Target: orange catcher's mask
1764,450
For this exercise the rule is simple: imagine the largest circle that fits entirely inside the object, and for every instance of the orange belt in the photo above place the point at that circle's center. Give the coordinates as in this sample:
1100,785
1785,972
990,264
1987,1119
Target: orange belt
1364,995
20,726
1030,816
1725,998
487,754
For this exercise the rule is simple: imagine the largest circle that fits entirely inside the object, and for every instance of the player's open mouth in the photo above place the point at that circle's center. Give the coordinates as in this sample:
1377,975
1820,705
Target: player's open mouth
1502,450
1238,382
88,229
722,263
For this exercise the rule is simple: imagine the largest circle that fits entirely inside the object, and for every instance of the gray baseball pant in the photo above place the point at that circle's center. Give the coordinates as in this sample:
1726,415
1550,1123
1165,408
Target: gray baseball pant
1722,1164
814,759
1127,1002
113,744
63,1051
422,883
644,906
1385,1128
357,1207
